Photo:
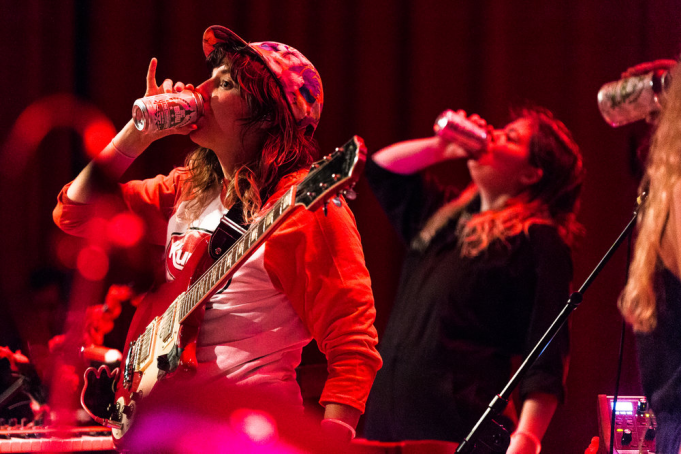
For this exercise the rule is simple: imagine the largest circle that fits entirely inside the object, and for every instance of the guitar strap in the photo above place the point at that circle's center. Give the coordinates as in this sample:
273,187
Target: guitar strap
230,229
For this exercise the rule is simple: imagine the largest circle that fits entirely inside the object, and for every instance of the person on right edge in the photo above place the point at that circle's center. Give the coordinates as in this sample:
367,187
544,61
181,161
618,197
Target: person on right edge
486,272
651,300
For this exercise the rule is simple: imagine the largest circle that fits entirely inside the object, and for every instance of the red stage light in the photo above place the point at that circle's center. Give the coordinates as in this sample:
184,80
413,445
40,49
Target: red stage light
98,229
92,263
125,229
258,426
97,135
46,114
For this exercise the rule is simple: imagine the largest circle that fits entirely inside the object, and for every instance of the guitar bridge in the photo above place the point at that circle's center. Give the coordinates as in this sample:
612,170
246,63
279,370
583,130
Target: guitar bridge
116,413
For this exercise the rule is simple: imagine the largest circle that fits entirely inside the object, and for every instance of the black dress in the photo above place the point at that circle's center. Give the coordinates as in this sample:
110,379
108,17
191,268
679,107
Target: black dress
659,354
457,321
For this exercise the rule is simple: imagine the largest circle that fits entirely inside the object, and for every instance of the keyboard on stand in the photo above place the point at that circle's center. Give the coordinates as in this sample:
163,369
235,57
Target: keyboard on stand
46,439
362,446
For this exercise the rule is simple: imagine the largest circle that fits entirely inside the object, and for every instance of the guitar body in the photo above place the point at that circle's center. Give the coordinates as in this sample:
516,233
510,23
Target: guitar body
146,328
161,341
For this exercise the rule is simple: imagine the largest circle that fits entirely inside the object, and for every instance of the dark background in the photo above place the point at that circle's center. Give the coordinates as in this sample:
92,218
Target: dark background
388,68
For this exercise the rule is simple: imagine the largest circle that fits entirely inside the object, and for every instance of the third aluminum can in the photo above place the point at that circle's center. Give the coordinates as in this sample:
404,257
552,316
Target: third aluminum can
633,98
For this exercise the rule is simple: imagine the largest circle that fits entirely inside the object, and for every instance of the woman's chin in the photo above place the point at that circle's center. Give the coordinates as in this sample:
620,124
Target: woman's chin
196,136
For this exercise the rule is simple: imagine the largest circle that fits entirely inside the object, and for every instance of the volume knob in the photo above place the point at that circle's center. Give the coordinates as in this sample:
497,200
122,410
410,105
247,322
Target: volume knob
626,437
650,433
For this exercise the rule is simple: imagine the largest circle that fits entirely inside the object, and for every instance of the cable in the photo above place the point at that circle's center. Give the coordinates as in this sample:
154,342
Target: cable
620,357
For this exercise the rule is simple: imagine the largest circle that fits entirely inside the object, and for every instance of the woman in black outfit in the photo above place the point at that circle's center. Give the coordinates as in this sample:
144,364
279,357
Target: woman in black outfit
486,272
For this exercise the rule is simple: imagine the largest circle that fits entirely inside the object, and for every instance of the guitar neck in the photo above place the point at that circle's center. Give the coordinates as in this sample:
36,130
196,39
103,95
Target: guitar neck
326,177
225,267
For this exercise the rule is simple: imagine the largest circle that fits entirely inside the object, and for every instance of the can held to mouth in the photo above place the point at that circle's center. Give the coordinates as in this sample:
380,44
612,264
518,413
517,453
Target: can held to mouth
633,98
456,128
167,111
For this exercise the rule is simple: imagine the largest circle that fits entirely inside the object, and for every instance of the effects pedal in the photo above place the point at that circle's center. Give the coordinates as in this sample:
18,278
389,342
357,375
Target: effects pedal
635,425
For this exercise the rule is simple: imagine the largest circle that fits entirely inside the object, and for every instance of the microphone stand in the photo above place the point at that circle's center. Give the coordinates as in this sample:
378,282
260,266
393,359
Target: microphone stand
488,436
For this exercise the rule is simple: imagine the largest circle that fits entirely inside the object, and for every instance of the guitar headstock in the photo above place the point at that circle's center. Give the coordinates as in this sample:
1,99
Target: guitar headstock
334,174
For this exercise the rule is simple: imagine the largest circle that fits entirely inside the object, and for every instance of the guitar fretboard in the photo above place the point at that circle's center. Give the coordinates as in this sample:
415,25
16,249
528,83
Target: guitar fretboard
204,286
326,177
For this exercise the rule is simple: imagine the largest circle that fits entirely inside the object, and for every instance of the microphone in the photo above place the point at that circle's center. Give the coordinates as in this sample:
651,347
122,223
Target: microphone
633,98
458,129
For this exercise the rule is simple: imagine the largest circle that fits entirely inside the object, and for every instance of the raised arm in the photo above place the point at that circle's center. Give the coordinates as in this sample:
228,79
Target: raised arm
412,156
128,144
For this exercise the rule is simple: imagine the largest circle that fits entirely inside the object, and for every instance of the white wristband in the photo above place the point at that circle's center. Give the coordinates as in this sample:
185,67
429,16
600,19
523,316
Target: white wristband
342,423
530,436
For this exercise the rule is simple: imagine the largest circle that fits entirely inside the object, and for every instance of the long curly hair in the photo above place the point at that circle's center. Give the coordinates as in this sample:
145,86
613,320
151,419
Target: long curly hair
553,200
663,172
285,148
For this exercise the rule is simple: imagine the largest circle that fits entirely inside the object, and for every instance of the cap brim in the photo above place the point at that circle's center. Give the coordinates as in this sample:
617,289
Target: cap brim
218,34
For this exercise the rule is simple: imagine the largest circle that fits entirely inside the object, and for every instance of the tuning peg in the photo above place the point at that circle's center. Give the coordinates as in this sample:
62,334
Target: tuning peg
336,201
326,208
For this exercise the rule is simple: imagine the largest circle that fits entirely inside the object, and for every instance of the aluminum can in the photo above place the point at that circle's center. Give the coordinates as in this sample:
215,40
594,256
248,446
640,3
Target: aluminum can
633,98
167,111
456,128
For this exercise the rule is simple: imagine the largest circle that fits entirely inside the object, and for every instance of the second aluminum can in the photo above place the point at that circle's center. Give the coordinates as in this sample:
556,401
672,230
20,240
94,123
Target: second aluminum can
167,111
456,128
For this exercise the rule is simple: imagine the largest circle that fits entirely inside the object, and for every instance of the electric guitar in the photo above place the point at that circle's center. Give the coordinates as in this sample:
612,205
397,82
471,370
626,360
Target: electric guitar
161,340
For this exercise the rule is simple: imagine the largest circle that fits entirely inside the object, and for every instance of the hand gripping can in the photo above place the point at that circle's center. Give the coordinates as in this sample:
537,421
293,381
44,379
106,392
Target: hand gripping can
456,128
167,111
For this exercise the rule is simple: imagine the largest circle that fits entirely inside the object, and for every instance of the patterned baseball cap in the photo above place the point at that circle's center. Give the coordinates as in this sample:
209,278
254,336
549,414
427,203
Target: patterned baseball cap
298,79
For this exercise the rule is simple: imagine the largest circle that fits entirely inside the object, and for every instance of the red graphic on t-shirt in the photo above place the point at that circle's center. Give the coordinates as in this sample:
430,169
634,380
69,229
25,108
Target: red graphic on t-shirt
180,249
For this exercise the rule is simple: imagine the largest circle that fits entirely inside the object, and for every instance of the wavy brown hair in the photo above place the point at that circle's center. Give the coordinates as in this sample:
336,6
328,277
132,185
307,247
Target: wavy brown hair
663,172
285,148
553,200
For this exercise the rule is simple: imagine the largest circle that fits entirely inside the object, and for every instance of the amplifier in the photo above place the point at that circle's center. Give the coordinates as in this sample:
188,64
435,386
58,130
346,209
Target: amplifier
635,425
